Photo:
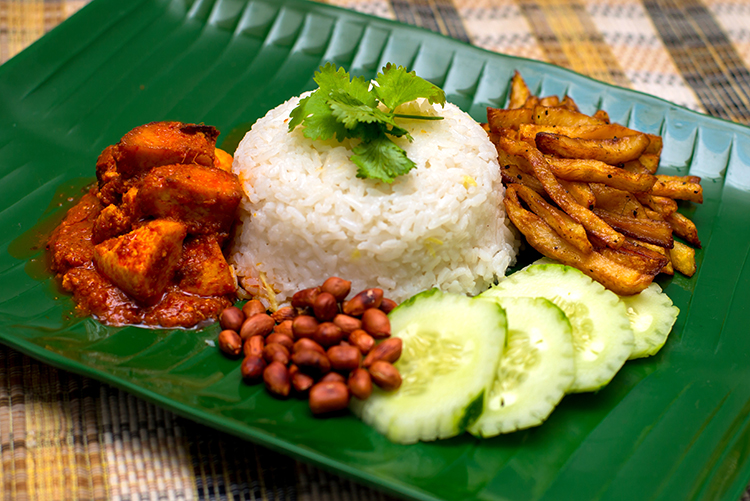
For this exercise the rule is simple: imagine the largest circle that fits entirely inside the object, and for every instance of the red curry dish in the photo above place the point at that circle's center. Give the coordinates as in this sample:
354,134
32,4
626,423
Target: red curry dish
144,246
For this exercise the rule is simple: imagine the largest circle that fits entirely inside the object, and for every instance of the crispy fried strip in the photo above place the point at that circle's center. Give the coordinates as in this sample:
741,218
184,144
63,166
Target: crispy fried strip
679,187
613,275
508,119
570,104
550,101
637,257
601,131
504,158
511,174
519,92
663,205
668,269
636,167
602,115
594,171
564,225
650,162
684,228
581,192
559,116
617,201
611,151
557,193
683,258
655,145
531,102
653,232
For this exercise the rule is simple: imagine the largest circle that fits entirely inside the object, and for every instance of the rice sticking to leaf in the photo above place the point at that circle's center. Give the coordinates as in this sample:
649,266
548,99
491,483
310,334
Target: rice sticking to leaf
345,107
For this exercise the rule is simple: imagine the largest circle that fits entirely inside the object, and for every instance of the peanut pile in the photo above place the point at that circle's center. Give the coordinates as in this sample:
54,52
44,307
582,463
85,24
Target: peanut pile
322,346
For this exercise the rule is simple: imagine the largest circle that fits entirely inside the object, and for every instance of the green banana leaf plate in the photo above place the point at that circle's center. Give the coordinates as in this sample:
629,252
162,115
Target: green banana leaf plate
674,426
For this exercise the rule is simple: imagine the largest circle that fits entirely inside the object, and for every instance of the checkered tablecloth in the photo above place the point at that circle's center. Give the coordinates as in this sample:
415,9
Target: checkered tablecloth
63,436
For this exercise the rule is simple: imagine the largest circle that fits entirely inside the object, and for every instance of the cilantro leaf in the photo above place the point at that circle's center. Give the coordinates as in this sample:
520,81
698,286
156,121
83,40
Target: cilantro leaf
345,107
381,159
332,80
397,86
319,121
350,110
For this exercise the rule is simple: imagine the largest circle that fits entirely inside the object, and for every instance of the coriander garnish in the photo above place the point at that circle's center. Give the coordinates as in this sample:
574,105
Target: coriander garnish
347,107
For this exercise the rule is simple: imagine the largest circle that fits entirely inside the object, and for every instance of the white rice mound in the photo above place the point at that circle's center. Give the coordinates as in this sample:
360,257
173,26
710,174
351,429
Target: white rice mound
306,216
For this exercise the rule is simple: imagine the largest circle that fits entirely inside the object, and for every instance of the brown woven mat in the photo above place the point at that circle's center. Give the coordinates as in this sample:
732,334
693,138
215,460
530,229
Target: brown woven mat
64,436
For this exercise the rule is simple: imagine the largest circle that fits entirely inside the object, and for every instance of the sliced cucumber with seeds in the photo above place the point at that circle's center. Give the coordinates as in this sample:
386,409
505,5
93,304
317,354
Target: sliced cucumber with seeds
652,316
602,336
451,349
535,371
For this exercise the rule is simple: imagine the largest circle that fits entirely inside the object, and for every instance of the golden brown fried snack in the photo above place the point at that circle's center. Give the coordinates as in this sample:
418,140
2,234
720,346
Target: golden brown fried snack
647,230
679,187
612,151
594,171
610,273
562,198
519,92
683,259
604,168
559,221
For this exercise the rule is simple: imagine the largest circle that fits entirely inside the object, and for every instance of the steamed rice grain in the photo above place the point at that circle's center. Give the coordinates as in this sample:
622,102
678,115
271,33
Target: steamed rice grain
306,216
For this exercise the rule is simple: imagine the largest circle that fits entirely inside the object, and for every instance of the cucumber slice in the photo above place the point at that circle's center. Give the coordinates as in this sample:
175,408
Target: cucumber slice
451,349
602,336
652,316
535,371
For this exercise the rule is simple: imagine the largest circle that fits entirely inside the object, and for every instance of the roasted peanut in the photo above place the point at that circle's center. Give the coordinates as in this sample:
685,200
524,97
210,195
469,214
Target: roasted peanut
301,381
338,287
387,305
388,350
253,307
375,322
276,377
284,327
332,376
260,324
230,342
385,375
277,352
284,313
253,347
231,318
346,323
283,339
312,362
362,340
360,383
307,344
368,298
328,334
252,369
344,358
305,297
325,307
304,326
328,397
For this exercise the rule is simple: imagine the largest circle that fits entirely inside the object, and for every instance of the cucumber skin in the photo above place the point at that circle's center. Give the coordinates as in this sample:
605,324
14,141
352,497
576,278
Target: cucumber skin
578,387
650,341
474,404
566,377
